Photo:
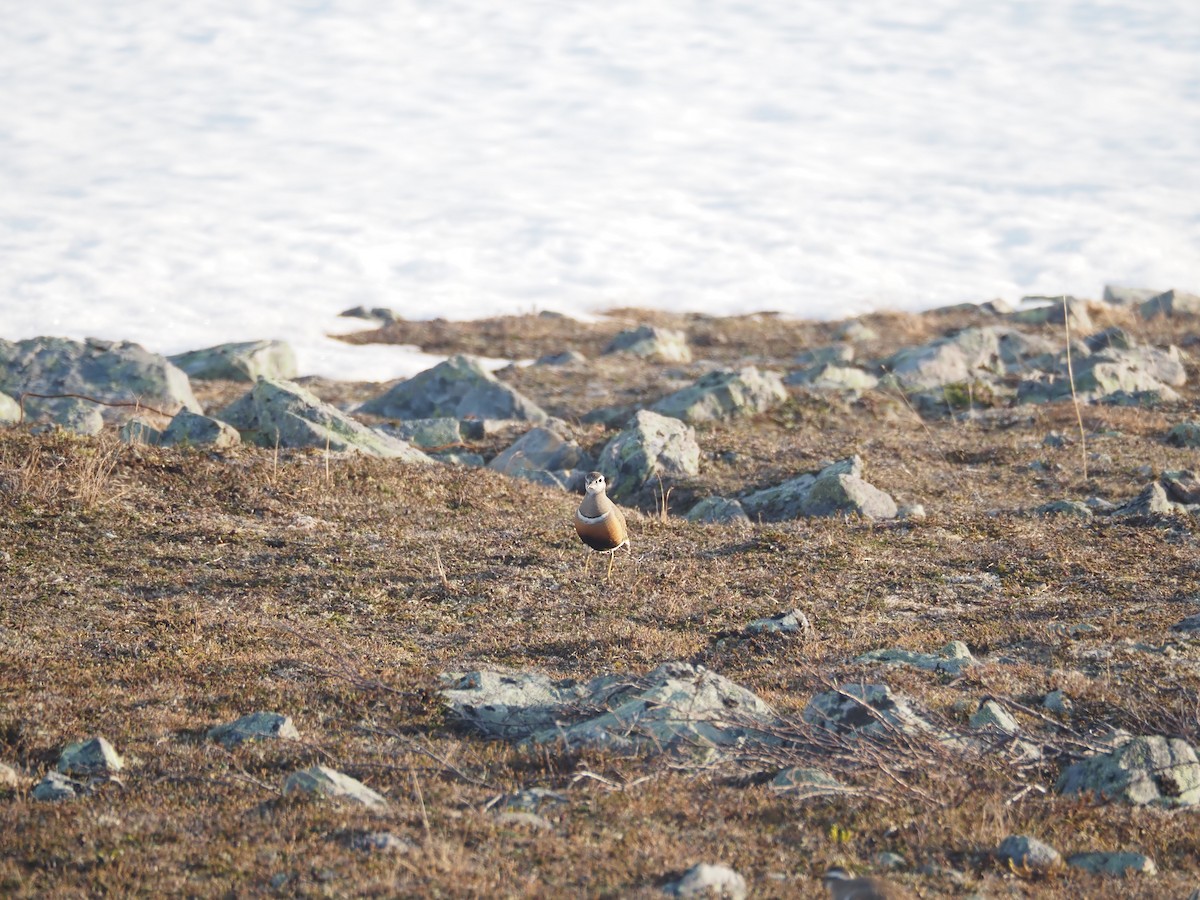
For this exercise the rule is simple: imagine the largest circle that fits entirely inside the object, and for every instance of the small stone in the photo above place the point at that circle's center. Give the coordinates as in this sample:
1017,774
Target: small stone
718,511
255,726
1057,701
380,842
648,342
783,623
1026,853
704,880
913,512
1189,627
887,860
1073,508
1113,863
525,820
531,799
139,431
91,757
57,786
952,659
189,429
566,358
9,780
326,782
1185,434
994,716
807,781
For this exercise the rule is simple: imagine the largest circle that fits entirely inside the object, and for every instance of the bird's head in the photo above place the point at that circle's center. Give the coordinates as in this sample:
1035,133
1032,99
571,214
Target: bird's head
594,483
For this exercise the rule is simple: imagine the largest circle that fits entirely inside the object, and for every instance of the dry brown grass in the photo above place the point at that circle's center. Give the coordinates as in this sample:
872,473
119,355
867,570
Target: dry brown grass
149,594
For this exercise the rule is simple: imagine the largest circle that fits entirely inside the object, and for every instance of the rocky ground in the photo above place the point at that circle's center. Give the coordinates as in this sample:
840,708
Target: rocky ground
908,594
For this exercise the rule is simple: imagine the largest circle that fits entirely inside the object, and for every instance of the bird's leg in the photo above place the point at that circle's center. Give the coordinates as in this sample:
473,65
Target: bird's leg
587,562
611,556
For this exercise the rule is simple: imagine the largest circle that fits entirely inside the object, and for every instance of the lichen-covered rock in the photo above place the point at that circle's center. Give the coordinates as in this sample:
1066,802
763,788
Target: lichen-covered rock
321,781
138,431
1147,770
114,371
661,344
960,357
428,434
1185,434
68,413
282,413
991,715
784,623
1152,501
1170,303
953,659
704,880
541,449
807,781
724,395
91,757
459,388
189,429
874,712
1076,508
718,511
1042,310
838,489
245,361
1128,296
255,726
829,377
510,705
652,447
566,358
1028,854
1134,374
838,354
57,786
1117,864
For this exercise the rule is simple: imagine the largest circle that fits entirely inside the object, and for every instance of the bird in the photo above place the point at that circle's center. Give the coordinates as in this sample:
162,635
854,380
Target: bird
844,886
599,523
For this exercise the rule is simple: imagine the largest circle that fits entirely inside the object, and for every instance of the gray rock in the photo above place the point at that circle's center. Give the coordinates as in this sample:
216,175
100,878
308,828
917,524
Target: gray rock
718,511
569,480
189,429
531,800
68,413
1189,627
947,360
806,781
857,331
1115,338
1185,434
887,860
460,458
566,358
1057,701
952,659
541,449
1153,500
426,433
1128,296
912,511
704,880
991,715
240,362
525,820
1170,303
1147,770
651,447
835,354
784,623
10,410
677,706
325,782
9,779
459,387
1076,508
1181,486
830,377
835,490
56,786
1029,854
91,757
380,314
865,710
139,431
661,344
1113,863
115,371
380,842
283,413
724,395
255,726
1133,375
1050,311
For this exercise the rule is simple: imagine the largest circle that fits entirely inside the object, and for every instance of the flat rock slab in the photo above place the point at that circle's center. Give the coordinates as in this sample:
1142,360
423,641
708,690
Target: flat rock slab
960,357
808,782
189,429
321,781
651,447
674,707
1170,303
1117,864
282,413
458,388
991,715
837,489
245,361
57,786
707,880
874,711
1147,770
662,344
91,757
255,726
116,371
541,449
953,659
724,395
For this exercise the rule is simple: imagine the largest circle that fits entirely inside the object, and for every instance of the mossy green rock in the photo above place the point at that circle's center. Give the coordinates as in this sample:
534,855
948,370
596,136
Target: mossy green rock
1148,770
188,429
838,489
282,413
652,447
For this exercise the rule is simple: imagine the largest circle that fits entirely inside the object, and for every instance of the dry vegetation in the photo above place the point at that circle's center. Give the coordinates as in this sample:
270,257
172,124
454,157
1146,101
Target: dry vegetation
149,594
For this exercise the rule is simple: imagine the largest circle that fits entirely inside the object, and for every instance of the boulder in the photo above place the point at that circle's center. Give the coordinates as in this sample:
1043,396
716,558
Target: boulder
541,449
255,726
704,881
829,377
138,431
837,489
1152,501
652,448
189,429
677,706
91,757
321,781
661,344
960,357
953,659
114,371
1040,310
718,511
1110,338
428,434
10,410
1181,487
566,358
380,314
1170,303
57,786
1116,864
1147,770
1138,373
872,711
1028,854
1185,434
240,362
806,781
460,388
283,413
791,622
1128,296
724,395
68,413
992,716
839,354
